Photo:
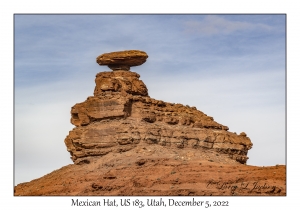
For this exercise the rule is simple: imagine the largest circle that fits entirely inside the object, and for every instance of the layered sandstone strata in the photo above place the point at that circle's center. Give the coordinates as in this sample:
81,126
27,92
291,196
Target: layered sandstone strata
121,116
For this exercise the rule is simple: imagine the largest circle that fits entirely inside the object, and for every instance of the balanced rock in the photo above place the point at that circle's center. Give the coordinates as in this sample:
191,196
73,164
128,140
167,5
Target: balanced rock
121,116
122,60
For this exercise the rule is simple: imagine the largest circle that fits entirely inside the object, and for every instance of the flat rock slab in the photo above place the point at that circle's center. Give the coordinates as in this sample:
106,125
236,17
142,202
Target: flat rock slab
122,60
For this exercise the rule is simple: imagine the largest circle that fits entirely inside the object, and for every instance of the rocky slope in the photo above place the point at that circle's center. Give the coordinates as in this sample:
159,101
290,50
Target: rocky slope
126,143
151,169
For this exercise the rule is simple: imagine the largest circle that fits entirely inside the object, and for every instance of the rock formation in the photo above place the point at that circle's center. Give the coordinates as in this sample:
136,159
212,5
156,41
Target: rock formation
121,116
126,143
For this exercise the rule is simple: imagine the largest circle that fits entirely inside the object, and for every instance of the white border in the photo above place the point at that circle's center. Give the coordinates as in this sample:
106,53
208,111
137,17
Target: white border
8,8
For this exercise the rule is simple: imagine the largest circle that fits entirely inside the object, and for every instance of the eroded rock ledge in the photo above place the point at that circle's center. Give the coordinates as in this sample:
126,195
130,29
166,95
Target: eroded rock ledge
121,116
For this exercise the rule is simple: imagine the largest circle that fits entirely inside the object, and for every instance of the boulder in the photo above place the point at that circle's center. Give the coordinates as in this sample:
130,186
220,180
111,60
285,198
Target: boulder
122,60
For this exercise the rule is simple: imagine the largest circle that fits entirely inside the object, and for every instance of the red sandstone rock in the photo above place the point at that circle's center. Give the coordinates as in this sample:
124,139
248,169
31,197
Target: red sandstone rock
122,60
119,81
151,169
120,116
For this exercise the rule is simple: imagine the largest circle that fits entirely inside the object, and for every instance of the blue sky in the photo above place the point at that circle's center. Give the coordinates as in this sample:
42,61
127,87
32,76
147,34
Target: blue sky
231,67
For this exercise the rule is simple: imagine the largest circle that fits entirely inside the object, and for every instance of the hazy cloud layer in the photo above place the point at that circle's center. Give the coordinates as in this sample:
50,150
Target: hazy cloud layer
216,25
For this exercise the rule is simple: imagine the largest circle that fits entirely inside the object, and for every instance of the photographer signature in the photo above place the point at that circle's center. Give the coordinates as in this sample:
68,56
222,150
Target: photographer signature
234,186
